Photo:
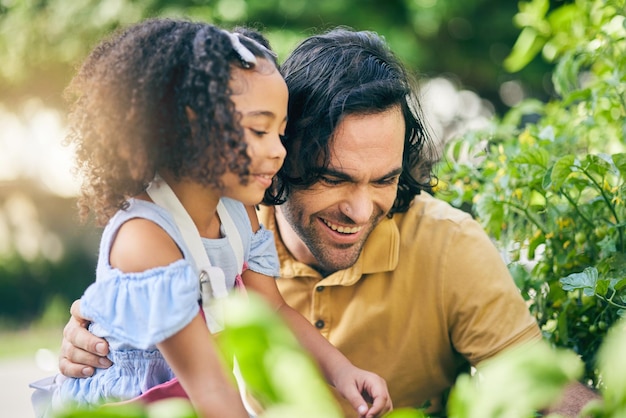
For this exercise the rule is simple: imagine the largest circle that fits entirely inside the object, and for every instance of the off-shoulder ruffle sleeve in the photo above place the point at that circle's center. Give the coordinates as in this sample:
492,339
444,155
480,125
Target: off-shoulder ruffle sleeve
263,257
144,308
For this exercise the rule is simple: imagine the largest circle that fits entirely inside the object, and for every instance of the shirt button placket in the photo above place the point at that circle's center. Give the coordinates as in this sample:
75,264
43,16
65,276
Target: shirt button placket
320,297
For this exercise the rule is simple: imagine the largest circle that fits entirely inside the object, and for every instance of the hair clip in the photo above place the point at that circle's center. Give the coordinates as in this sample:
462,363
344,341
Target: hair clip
248,60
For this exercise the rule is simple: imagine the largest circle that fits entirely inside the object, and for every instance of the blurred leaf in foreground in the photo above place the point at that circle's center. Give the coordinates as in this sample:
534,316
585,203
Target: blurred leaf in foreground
516,383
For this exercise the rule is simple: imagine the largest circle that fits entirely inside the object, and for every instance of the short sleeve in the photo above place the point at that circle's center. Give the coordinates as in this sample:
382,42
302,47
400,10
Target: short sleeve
263,257
486,310
144,308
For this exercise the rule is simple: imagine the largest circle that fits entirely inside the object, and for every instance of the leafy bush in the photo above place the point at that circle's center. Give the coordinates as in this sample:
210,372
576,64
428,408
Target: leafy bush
521,381
516,383
547,180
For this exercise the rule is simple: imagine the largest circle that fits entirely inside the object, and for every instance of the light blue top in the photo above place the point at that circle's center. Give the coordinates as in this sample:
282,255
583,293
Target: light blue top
135,311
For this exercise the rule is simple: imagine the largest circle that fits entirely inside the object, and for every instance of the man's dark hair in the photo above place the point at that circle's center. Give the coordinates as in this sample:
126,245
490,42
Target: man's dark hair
341,73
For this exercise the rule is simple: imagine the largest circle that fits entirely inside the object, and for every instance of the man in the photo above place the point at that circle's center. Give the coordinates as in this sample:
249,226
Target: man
403,284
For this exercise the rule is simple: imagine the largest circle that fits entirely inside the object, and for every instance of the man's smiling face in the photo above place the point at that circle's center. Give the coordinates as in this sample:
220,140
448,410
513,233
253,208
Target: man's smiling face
334,216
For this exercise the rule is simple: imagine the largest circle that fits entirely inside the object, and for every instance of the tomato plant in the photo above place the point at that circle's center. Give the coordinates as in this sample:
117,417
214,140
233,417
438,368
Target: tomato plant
548,180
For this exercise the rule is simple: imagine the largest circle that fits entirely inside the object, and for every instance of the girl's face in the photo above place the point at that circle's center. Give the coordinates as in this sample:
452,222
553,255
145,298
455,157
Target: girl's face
260,96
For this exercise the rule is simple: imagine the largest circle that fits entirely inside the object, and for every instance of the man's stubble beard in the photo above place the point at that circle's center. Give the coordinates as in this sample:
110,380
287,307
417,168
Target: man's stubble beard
330,258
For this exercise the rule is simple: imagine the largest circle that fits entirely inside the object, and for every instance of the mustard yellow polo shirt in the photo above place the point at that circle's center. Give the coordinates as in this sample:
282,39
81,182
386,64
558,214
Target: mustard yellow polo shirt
428,294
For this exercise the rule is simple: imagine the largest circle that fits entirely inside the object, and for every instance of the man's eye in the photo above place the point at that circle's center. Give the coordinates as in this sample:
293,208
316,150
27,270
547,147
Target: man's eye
330,181
388,182
258,133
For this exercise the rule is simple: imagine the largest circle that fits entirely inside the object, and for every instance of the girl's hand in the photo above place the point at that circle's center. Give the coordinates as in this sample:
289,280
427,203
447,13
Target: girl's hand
361,388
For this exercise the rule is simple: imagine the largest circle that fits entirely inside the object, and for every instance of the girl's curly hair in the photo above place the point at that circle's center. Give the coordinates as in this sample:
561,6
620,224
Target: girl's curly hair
156,96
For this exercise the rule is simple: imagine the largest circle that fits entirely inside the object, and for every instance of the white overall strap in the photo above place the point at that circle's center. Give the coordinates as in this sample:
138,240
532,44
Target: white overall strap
212,279
232,233
235,242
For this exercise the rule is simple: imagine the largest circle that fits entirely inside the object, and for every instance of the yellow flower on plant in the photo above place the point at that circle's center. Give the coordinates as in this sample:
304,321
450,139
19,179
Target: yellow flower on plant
499,174
563,223
439,185
525,138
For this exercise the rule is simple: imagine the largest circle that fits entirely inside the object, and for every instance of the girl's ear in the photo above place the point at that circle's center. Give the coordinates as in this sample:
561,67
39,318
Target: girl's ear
192,118
191,115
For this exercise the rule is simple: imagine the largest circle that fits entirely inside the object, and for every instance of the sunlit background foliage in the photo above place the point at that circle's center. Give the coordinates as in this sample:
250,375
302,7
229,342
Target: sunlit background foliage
456,48
527,101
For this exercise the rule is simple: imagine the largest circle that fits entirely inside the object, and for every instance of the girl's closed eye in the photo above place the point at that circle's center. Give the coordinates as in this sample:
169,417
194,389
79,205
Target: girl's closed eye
259,133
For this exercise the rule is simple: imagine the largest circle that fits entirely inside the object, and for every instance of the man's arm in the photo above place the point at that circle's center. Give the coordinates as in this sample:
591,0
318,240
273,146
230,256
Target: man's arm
575,397
81,351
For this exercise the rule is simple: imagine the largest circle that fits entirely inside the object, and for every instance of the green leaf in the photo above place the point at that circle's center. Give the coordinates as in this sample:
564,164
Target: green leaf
602,286
586,280
546,182
526,47
561,170
620,163
278,372
547,133
618,284
491,215
171,408
612,364
405,413
599,164
533,244
566,75
533,156
532,13
515,382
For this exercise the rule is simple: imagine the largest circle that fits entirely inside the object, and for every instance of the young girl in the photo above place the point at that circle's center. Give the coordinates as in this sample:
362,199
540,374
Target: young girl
200,111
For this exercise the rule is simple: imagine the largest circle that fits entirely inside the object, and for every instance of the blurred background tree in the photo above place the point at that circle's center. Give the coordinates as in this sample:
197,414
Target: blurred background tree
461,43
42,40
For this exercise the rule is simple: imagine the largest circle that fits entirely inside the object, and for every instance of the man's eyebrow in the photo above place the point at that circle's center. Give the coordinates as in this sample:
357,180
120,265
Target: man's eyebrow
347,177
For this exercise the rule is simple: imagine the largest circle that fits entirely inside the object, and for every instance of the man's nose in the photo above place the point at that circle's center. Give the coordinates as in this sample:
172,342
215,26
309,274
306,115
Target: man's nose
358,205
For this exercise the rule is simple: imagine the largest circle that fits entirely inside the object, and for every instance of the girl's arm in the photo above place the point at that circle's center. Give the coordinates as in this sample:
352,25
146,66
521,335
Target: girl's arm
141,245
353,383
192,355
349,380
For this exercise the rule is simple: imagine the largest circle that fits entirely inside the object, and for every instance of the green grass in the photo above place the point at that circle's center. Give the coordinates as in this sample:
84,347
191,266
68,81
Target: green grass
26,342
46,332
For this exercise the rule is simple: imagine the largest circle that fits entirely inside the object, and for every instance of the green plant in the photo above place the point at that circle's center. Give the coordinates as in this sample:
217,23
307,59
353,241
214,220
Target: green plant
279,374
516,383
547,180
522,381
